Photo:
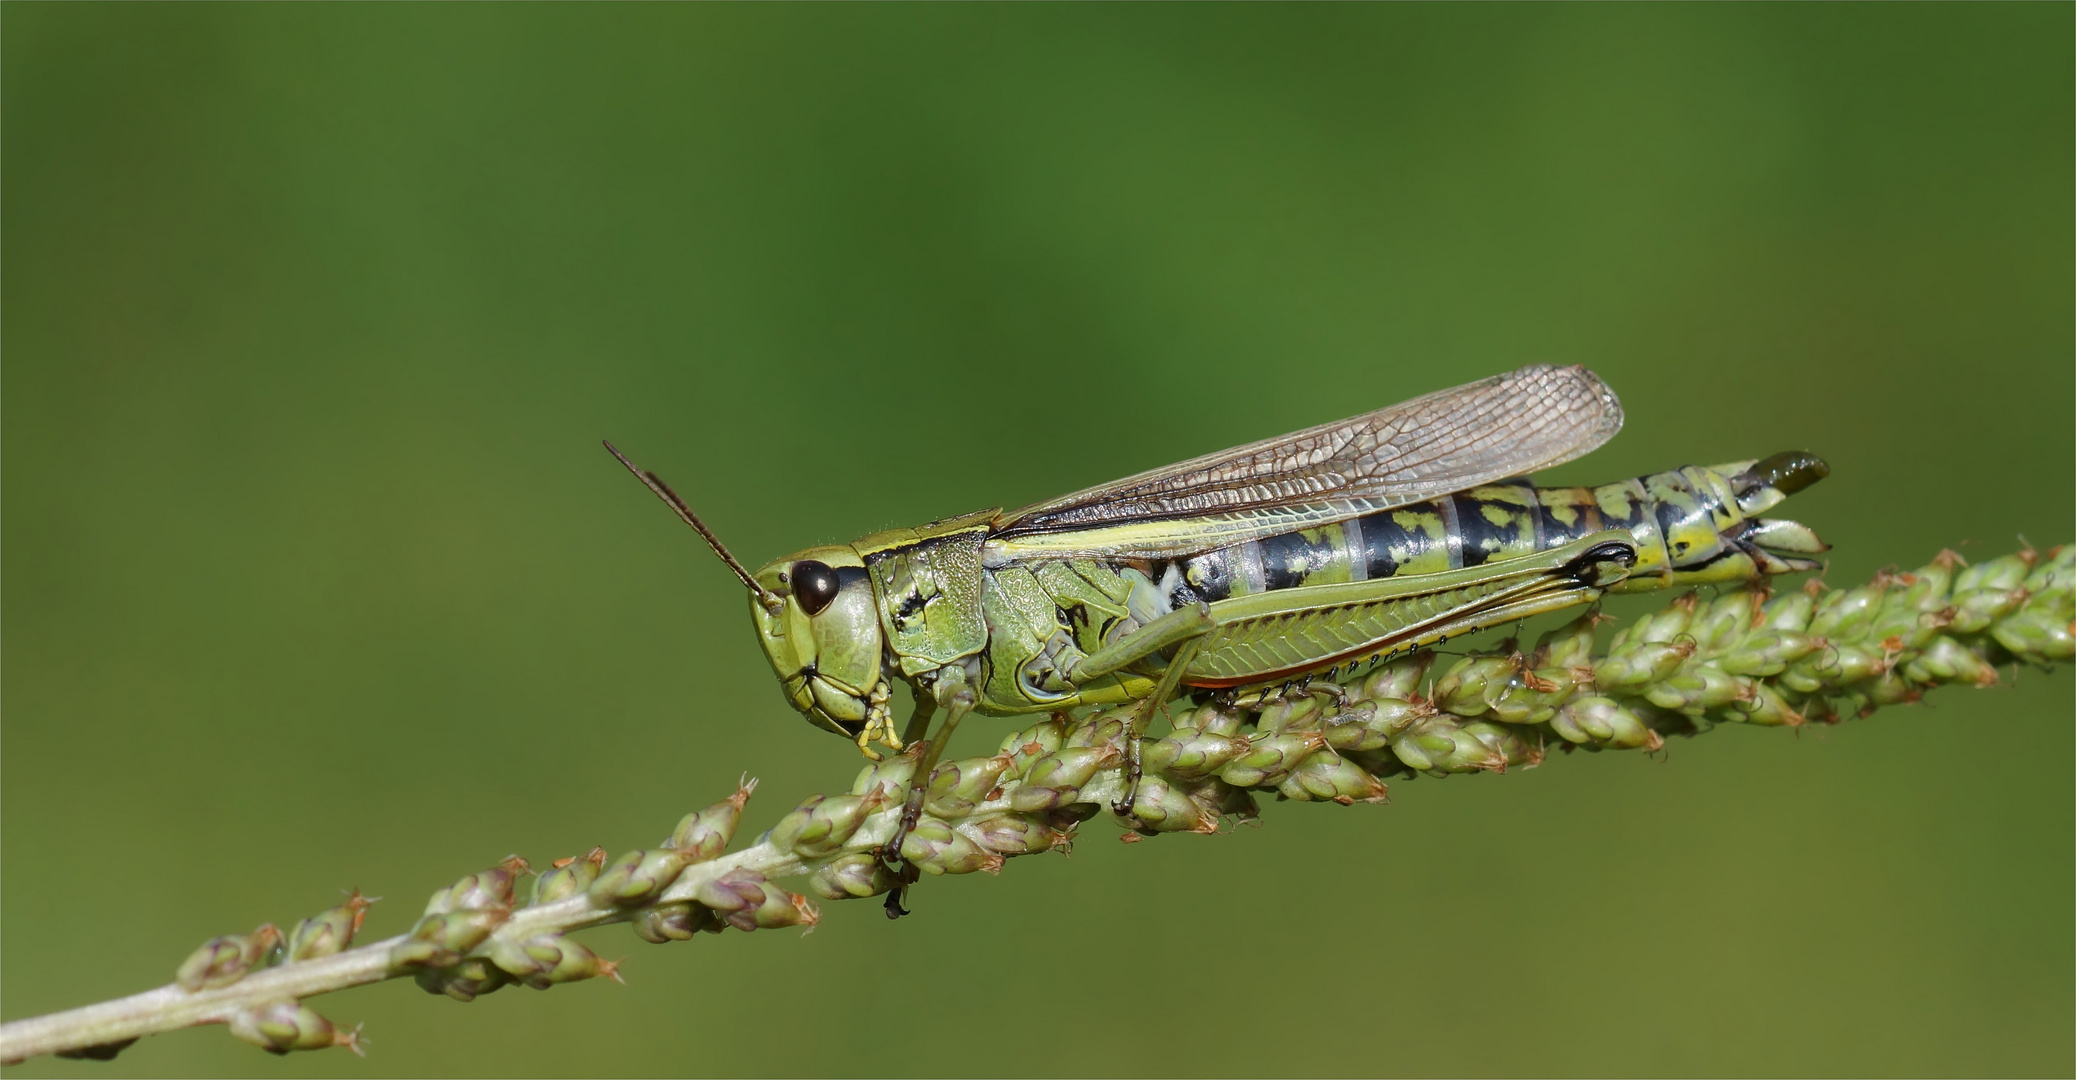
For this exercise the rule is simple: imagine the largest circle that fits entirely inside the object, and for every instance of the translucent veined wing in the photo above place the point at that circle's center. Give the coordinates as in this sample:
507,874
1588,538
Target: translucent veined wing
1449,440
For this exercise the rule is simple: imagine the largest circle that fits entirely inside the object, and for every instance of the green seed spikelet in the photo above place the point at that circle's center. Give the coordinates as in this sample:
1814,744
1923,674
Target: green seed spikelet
328,931
704,834
222,961
1810,655
279,1027
568,877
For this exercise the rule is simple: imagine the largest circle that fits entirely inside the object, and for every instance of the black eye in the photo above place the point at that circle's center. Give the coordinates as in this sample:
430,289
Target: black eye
814,585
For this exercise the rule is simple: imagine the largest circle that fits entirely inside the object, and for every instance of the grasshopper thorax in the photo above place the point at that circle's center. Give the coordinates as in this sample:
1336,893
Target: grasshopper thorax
824,639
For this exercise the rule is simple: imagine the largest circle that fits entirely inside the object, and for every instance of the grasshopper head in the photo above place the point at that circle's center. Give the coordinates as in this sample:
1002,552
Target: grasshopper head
823,637
819,623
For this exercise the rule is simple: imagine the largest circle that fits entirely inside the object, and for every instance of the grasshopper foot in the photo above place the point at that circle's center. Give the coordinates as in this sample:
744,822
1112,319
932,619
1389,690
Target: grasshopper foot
890,853
904,876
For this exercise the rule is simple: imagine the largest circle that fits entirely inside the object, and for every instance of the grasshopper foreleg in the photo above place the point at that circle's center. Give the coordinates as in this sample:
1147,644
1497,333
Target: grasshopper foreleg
919,724
955,694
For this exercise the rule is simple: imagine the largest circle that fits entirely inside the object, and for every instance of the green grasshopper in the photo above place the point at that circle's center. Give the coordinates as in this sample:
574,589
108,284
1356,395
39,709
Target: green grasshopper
1253,573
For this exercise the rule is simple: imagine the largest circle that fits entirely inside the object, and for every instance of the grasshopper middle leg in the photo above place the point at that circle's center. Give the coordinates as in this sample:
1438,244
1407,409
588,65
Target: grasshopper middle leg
1181,629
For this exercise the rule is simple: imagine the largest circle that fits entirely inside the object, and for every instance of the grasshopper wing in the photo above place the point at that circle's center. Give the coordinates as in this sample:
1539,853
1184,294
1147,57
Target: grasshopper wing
1504,426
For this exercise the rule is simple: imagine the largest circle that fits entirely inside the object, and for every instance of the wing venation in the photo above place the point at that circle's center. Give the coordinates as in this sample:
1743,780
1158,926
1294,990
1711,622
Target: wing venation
1500,427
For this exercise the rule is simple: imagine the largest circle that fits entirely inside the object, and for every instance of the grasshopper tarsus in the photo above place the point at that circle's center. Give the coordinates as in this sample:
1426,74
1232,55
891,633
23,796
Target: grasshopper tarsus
1134,771
905,874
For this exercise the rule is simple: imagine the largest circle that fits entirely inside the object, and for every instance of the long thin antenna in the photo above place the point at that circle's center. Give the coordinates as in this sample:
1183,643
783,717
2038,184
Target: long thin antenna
655,483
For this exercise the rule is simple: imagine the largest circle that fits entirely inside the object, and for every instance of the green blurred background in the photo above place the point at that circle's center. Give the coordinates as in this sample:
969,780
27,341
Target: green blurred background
316,576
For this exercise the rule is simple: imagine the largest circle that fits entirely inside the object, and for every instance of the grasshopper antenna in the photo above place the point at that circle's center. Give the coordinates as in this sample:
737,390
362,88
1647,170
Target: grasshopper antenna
769,599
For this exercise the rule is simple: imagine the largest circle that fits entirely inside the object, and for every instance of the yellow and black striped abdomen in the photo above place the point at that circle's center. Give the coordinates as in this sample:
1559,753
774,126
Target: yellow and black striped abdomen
1690,525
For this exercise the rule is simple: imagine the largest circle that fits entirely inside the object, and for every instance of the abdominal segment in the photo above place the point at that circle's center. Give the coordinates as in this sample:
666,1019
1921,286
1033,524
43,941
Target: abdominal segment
1470,528
1696,525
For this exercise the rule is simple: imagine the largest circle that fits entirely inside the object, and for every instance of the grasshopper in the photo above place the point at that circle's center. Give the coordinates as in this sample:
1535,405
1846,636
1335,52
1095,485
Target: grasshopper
1252,572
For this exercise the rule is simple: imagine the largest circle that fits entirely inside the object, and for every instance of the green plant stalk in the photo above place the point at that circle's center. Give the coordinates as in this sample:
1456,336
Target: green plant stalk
1807,655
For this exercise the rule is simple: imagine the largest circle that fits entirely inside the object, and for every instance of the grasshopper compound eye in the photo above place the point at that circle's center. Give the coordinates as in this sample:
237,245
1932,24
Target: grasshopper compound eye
814,585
